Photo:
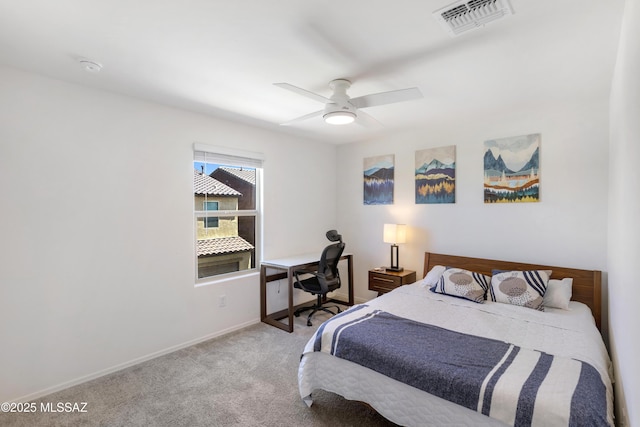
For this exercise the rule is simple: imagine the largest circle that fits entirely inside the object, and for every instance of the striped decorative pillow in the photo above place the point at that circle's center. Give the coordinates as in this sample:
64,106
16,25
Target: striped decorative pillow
522,288
462,283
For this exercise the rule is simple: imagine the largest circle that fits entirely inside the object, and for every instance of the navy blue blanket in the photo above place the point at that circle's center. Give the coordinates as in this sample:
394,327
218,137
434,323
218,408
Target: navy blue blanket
519,386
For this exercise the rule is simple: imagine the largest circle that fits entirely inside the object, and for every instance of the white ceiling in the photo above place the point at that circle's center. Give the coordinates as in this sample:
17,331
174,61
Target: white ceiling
222,57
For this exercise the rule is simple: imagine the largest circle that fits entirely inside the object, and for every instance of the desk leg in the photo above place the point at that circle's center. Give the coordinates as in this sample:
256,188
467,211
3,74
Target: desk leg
350,287
350,270
263,293
273,319
290,306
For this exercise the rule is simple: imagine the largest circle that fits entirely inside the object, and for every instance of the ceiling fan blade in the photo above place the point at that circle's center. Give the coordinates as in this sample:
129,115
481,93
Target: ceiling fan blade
303,92
303,118
325,37
367,120
383,98
328,38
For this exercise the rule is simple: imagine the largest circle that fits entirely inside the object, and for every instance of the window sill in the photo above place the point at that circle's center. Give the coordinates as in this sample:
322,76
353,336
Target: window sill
226,278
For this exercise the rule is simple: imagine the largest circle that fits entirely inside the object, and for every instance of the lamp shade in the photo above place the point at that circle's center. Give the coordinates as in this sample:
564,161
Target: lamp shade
395,233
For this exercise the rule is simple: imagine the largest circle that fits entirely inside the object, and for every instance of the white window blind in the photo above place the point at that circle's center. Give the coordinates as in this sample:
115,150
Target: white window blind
226,156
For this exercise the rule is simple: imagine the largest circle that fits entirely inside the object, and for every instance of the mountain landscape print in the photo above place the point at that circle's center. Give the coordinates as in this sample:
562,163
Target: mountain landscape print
435,175
378,180
512,169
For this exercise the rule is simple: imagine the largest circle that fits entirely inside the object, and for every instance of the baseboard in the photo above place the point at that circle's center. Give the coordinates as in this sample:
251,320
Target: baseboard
121,366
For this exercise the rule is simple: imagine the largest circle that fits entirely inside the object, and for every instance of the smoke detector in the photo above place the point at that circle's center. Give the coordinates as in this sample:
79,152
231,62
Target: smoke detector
468,15
89,65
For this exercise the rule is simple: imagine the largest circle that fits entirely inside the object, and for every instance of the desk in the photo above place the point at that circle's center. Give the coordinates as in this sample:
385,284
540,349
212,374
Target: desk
285,268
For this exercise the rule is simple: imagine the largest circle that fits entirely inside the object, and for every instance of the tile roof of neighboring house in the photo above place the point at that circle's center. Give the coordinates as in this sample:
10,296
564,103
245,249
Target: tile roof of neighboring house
223,245
244,174
204,184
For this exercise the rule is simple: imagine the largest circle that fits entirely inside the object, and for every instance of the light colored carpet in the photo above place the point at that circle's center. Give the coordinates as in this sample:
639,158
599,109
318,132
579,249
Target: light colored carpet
246,378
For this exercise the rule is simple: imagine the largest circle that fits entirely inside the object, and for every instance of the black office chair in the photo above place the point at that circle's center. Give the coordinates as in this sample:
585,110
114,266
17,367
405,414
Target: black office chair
325,279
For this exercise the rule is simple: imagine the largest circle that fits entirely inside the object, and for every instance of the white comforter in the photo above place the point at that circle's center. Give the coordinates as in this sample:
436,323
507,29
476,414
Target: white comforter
569,333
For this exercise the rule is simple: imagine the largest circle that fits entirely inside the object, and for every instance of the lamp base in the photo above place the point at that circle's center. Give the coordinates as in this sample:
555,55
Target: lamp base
395,265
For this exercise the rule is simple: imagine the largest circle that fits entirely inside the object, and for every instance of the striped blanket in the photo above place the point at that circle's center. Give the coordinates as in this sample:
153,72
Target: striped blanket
519,386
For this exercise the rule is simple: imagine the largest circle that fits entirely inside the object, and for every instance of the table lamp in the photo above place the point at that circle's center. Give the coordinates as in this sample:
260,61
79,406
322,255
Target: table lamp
394,234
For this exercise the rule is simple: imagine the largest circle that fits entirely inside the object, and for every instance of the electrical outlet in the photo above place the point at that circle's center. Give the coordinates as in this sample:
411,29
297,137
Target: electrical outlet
222,301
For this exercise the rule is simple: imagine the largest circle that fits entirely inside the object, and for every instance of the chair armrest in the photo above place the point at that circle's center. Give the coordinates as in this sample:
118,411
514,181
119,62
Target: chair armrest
312,272
298,272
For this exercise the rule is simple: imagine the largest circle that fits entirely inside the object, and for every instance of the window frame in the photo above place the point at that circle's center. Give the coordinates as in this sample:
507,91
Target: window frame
233,158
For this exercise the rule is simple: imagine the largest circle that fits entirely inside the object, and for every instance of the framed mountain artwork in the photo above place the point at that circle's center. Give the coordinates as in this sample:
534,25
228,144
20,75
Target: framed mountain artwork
435,175
378,180
512,169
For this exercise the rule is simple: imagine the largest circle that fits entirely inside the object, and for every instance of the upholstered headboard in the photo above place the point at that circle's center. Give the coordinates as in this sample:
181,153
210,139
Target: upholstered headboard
586,283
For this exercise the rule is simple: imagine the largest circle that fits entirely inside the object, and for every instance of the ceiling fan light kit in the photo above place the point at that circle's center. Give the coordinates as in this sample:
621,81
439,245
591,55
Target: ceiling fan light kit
339,117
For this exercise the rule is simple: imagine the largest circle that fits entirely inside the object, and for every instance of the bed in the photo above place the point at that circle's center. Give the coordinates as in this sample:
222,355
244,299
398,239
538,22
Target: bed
424,358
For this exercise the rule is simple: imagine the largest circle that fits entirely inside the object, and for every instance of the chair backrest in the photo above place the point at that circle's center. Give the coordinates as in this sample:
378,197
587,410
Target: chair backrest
328,266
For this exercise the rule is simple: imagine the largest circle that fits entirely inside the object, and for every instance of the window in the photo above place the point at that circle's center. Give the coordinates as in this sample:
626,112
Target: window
210,222
226,210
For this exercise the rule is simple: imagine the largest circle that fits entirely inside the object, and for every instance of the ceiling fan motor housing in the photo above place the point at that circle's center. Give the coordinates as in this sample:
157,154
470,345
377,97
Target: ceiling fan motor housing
340,111
344,106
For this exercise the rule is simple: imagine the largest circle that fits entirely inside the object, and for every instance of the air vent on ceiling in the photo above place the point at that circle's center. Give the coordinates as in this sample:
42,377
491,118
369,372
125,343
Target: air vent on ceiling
467,15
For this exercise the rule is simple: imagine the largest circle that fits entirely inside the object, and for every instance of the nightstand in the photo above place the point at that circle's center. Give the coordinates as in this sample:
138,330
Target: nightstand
385,281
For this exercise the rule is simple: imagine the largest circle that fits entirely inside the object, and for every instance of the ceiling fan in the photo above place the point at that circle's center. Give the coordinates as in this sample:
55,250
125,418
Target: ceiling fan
340,109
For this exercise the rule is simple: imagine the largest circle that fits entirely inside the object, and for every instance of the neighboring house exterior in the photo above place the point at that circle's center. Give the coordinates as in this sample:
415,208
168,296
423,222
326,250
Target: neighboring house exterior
244,181
220,248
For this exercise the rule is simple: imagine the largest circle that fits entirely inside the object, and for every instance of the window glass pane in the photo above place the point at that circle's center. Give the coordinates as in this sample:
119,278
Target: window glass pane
225,238
231,180
211,221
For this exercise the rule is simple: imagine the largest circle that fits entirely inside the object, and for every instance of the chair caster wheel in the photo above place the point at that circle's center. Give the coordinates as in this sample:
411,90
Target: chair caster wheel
309,323
296,314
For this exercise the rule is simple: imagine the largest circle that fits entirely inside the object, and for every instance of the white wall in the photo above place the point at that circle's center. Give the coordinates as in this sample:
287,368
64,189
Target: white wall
96,246
624,212
567,227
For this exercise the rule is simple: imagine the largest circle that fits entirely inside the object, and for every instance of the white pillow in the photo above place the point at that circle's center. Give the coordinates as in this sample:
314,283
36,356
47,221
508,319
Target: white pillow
433,276
558,293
